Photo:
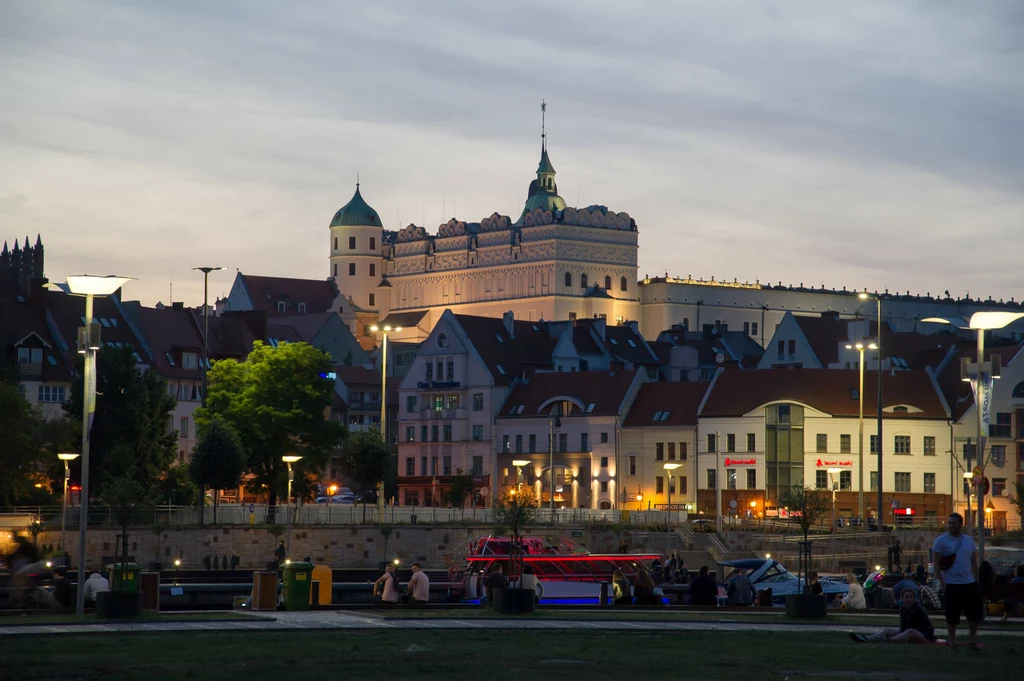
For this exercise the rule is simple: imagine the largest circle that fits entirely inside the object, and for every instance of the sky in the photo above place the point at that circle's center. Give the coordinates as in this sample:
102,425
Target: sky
874,145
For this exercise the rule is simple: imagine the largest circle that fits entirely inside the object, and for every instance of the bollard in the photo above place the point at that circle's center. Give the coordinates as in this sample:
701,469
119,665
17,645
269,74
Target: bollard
604,595
314,594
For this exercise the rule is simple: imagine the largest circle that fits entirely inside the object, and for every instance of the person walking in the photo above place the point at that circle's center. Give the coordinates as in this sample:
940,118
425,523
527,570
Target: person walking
956,568
419,586
279,555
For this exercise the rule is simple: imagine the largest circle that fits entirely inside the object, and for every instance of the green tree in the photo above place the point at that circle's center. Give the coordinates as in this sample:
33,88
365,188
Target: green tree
277,401
514,510
366,460
1018,499
28,450
176,487
133,502
130,432
809,507
460,487
218,460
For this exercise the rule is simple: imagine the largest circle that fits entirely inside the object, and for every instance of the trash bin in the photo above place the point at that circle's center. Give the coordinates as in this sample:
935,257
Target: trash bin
264,591
131,577
150,586
764,598
297,577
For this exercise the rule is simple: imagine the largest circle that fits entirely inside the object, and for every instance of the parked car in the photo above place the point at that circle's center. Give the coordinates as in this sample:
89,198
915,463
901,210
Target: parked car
343,499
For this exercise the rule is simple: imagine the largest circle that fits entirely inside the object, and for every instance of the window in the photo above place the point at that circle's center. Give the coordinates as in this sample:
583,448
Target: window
410,404
440,370
373,300
929,445
478,401
373,269
821,479
1001,428
844,444
711,442
519,443
563,442
446,465
682,484
901,444
450,365
302,307
874,481
423,433
604,485
373,243
746,328
434,433
423,465
478,465
51,393
822,443
659,485
189,360
929,483
998,486
873,449
622,284
782,349
751,442
447,433
997,454
792,348
428,372
351,269
411,498
604,438
730,479
281,306
712,479
335,269
845,480
583,280
451,401
751,478
183,427
568,279
632,465
659,451
682,450
478,433
410,466
410,433
671,451
608,283
584,442
351,243
730,442
753,329
335,243
903,482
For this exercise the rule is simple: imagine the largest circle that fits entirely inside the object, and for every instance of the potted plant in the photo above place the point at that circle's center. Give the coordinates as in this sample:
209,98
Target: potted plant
808,507
515,509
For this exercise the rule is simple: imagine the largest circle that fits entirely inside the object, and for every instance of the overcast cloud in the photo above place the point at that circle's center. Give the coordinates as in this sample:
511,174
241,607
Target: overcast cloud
862,144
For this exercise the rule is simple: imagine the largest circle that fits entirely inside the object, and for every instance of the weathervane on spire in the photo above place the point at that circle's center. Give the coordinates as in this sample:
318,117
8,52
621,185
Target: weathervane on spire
543,134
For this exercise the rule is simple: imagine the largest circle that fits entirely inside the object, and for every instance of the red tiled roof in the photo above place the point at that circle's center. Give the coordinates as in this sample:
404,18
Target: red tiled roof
680,400
528,350
823,334
67,311
266,292
171,331
604,389
832,391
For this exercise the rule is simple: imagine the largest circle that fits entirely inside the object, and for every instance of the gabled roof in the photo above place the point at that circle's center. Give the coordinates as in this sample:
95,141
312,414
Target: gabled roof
833,391
605,390
231,336
18,321
266,292
675,404
171,331
67,313
630,346
957,392
823,333
406,320
307,326
507,356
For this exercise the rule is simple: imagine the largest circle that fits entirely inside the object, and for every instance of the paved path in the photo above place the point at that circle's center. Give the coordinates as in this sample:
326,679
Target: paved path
320,620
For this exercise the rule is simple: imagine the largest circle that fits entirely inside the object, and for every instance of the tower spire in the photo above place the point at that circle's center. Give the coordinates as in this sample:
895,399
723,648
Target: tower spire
543,131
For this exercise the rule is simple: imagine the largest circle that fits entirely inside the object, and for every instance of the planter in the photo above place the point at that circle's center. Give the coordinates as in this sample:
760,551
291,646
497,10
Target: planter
118,604
515,601
806,607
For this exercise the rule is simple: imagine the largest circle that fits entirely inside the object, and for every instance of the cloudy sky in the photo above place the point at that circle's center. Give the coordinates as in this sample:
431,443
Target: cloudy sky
876,145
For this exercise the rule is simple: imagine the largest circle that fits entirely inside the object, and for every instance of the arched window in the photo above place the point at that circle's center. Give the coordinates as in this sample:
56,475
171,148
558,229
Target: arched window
1018,391
583,281
622,284
568,279
607,283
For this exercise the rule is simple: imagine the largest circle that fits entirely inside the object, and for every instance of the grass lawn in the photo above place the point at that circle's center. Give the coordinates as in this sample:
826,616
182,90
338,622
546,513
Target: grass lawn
44,618
492,654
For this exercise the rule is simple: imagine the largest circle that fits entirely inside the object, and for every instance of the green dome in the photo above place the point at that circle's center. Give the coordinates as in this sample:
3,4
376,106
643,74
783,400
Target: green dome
545,201
356,213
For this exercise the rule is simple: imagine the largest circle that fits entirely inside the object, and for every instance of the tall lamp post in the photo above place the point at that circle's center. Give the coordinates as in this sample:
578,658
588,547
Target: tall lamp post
968,475
554,422
860,422
289,459
832,473
982,373
88,286
669,467
384,330
206,356
879,518
67,458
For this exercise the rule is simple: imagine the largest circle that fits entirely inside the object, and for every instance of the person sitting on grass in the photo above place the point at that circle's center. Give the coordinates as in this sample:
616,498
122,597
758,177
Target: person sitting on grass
854,598
915,625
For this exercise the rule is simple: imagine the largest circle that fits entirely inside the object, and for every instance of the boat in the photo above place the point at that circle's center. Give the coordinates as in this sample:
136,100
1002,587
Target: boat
566,572
767,573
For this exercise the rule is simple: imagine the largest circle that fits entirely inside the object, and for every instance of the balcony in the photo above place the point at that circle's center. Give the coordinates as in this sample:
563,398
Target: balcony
431,414
30,370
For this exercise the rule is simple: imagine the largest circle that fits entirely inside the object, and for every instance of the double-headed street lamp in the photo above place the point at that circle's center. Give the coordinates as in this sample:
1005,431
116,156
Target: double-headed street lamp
289,459
67,458
860,347
669,467
88,286
878,445
982,373
384,330
832,473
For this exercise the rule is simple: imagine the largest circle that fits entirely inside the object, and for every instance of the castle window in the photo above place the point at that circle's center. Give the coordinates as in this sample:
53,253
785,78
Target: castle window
373,300
335,243
568,279
373,243
608,283
373,269
335,269
622,284
583,281
351,243
281,306
351,269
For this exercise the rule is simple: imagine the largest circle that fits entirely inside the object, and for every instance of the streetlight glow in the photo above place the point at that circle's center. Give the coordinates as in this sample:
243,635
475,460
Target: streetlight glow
68,456
290,458
92,285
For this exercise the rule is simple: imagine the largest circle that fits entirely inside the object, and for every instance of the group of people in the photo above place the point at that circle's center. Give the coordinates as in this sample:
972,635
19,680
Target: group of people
388,590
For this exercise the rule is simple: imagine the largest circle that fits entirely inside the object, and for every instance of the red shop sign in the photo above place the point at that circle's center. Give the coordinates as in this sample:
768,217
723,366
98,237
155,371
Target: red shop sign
740,462
836,462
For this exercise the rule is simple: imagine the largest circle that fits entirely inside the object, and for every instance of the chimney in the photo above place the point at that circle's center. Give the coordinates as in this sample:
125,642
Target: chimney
177,306
508,319
633,326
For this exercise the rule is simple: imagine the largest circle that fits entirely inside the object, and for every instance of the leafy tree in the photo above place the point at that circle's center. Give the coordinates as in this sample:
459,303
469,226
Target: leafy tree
809,507
277,402
218,460
133,501
460,487
515,509
28,449
1018,499
366,461
176,487
130,431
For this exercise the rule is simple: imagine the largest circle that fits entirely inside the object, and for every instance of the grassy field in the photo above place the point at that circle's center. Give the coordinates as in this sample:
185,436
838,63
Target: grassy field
491,654
44,618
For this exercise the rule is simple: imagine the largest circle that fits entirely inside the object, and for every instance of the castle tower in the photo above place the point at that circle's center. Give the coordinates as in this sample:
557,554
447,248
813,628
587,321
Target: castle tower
356,235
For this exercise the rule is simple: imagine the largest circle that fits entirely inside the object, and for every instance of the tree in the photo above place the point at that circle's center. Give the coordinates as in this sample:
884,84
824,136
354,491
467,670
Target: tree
514,510
130,431
176,487
366,461
28,449
277,401
460,487
810,507
1018,500
218,460
132,500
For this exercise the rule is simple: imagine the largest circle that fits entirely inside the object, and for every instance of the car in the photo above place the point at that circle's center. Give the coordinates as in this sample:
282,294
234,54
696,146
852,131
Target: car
343,499
765,573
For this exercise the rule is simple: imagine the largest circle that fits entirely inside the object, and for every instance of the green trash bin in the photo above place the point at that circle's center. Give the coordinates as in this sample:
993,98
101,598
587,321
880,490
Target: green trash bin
131,577
297,579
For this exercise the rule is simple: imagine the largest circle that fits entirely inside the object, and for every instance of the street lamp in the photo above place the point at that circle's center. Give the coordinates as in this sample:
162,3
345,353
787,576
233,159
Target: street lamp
981,322
968,475
669,467
554,422
67,458
384,331
88,343
289,459
206,356
832,473
878,445
860,347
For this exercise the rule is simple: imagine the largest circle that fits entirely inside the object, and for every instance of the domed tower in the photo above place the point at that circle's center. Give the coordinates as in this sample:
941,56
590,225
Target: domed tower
543,192
356,235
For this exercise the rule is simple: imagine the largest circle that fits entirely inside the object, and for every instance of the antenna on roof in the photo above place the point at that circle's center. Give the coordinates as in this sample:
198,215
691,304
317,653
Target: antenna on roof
170,292
543,130
357,179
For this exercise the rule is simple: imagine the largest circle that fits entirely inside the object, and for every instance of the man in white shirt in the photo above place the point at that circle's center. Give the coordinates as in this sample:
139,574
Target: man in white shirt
419,586
956,551
96,583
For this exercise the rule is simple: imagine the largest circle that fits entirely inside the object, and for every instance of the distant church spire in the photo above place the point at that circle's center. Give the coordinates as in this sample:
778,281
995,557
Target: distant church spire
543,132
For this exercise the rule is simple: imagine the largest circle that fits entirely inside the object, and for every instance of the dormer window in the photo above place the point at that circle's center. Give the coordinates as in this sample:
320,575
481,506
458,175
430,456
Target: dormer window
33,355
302,308
281,306
190,360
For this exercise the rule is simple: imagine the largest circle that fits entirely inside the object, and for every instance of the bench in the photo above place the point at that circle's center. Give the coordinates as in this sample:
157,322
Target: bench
1011,595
